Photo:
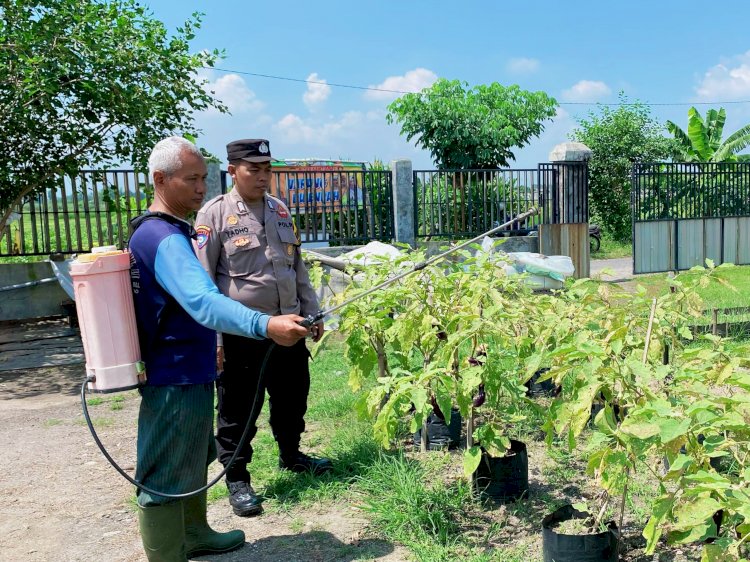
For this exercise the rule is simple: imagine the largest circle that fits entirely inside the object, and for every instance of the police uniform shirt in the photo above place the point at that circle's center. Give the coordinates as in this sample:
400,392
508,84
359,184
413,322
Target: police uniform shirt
252,252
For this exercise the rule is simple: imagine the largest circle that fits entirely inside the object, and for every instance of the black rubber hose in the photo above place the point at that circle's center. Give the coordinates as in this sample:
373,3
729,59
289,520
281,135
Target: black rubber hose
258,398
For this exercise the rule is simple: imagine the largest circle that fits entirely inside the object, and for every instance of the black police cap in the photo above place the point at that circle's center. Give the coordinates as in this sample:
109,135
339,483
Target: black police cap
249,150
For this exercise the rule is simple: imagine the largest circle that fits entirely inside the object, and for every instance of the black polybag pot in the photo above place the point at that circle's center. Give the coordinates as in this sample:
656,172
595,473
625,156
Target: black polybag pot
504,478
557,547
441,435
544,388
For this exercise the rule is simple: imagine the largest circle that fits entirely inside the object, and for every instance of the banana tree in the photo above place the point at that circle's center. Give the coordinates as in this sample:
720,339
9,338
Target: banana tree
702,142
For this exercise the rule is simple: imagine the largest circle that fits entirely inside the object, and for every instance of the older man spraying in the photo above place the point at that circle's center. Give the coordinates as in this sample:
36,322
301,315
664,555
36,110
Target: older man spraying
178,311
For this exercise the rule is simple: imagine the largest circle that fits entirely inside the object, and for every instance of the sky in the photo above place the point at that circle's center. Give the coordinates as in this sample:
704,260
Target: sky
663,52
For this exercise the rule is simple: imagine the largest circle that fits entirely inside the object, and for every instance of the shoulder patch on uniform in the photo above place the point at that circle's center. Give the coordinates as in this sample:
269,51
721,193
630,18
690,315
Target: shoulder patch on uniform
204,233
280,206
281,209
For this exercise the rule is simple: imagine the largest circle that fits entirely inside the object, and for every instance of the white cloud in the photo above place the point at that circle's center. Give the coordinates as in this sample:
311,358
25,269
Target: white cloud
317,91
522,65
293,128
586,90
413,81
246,121
354,135
233,91
726,81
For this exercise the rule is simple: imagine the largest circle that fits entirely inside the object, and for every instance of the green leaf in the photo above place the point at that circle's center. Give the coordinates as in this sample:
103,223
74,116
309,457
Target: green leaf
680,464
605,421
652,532
642,429
581,506
717,552
670,429
685,332
709,481
419,399
443,399
472,458
694,512
694,533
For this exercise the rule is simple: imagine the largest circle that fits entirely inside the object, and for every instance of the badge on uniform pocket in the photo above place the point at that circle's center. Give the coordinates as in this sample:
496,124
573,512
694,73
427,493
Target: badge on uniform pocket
232,220
241,241
289,249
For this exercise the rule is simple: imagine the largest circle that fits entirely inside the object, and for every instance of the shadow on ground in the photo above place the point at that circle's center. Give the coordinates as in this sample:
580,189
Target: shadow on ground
313,546
64,380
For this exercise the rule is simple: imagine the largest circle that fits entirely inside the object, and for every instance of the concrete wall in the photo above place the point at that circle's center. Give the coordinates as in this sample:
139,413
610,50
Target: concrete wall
37,301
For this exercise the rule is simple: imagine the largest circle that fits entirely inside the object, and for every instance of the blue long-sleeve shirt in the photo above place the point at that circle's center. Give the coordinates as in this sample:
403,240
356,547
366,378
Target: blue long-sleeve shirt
178,308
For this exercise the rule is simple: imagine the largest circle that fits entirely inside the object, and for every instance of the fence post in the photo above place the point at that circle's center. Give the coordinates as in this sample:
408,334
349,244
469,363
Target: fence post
404,213
570,235
213,180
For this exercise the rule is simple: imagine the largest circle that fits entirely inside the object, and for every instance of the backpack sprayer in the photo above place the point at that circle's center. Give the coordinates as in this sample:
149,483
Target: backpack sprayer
106,315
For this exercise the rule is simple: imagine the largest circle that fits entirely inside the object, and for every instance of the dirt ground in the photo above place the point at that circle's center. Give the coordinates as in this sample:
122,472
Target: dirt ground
62,501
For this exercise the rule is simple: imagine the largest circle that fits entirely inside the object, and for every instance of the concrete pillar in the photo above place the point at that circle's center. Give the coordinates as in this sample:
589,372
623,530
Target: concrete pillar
570,159
404,213
213,180
568,235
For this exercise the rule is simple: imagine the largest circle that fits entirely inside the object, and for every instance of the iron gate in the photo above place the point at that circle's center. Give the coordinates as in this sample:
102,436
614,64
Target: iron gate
464,203
686,213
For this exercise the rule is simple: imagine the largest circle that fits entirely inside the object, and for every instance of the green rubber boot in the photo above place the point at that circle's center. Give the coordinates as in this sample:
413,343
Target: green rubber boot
163,532
202,539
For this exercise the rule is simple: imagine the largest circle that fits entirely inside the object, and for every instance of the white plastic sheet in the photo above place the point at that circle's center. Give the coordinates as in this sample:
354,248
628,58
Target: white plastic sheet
545,272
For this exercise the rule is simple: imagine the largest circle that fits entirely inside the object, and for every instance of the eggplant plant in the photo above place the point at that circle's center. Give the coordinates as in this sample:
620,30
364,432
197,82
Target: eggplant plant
446,336
462,334
650,409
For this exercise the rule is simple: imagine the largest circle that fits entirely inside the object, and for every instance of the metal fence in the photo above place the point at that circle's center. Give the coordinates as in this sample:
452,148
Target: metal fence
685,213
335,207
464,203
690,190
90,209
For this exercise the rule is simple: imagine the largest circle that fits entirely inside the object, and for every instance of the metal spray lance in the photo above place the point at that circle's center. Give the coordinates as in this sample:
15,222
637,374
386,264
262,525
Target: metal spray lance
314,318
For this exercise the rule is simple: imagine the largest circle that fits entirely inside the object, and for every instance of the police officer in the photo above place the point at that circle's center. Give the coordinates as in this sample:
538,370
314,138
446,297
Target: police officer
247,242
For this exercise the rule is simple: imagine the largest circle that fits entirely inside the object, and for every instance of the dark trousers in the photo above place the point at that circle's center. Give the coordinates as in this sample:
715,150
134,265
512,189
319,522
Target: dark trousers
287,380
175,440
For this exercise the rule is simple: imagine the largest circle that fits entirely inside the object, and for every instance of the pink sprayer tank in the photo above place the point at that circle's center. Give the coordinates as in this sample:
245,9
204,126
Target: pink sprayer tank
104,303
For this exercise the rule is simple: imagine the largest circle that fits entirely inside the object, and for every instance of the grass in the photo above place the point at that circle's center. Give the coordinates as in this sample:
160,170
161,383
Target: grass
98,423
611,249
730,289
116,401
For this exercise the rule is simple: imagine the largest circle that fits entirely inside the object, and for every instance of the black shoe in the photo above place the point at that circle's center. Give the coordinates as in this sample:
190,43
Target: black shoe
243,499
300,462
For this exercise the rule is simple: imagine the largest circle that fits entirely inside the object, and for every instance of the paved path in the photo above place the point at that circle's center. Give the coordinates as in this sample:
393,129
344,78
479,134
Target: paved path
621,269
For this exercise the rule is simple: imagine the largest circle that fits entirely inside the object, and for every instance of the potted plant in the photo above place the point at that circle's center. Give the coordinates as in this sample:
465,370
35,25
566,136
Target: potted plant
572,534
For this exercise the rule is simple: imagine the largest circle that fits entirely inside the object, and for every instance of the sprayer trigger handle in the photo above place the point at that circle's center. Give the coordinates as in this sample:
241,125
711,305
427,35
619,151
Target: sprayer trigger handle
307,322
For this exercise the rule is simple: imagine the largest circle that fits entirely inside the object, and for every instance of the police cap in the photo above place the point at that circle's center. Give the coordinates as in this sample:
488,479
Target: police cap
249,150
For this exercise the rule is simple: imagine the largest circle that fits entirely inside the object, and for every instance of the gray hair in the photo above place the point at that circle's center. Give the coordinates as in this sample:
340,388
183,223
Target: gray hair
165,157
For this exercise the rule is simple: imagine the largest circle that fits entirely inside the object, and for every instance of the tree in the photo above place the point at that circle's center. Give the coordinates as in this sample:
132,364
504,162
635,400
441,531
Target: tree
702,142
618,138
471,128
86,83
